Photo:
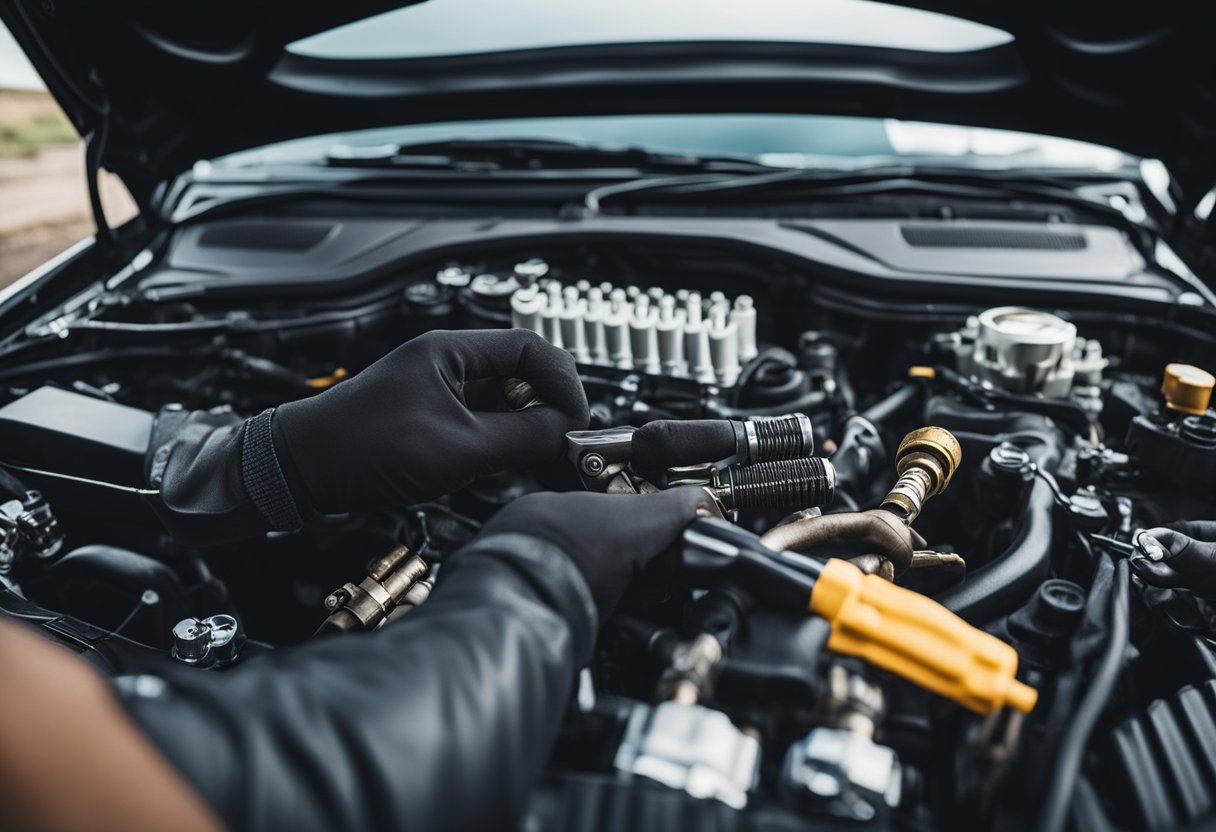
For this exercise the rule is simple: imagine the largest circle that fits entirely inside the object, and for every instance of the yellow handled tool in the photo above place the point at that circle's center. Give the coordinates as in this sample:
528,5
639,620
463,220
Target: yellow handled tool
917,638
894,628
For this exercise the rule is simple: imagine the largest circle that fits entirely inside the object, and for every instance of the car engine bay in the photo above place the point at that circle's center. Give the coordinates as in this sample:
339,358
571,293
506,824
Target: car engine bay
996,446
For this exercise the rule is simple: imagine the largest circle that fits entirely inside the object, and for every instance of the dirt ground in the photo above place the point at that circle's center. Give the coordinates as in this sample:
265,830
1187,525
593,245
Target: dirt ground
44,203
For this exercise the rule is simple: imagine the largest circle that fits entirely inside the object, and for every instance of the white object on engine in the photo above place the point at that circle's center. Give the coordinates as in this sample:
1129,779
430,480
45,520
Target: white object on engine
1028,351
681,335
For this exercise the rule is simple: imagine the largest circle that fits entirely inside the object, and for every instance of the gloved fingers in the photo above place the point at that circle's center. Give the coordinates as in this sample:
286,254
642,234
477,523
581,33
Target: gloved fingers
669,512
1192,561
665,444
1156,573
514,353
486,394
526,437
1176,543
1203,530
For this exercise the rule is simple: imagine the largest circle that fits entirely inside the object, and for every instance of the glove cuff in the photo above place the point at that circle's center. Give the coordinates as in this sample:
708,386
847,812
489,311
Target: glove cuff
262,476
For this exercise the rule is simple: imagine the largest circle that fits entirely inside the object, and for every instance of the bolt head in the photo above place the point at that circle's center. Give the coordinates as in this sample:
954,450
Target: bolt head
593,465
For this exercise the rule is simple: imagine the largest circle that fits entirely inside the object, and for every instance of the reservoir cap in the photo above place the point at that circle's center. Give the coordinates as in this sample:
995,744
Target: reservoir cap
1187,389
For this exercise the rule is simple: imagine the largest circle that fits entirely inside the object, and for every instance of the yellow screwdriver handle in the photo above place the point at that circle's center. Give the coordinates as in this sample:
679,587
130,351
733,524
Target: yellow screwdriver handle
917,638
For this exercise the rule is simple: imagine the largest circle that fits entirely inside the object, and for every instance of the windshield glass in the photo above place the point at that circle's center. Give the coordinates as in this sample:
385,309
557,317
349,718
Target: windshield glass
462,27
779,140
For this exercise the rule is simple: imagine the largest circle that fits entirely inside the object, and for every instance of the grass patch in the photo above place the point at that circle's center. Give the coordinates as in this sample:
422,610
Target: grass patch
27,137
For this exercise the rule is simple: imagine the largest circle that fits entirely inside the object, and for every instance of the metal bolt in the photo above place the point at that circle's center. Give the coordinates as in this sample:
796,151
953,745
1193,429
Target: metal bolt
1009,457
593,465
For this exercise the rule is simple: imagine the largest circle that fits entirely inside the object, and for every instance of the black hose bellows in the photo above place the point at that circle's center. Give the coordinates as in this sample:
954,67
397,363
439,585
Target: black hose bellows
783,437
782,483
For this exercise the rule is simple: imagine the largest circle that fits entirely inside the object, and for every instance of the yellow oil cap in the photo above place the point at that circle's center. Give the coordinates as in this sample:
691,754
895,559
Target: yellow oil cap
1187,388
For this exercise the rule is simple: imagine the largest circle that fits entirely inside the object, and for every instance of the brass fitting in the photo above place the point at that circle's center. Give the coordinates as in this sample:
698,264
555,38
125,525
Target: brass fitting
925,461
366,605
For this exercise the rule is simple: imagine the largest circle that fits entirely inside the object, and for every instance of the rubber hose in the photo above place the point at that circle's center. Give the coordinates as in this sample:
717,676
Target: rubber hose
1064,780
884,409
1002,586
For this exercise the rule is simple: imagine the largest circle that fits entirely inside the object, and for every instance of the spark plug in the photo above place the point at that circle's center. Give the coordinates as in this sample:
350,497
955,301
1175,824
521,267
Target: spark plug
700,360
670,328
616,331
692,323
723,346
526,305
744,317
593,323
574,334
643,337
550,312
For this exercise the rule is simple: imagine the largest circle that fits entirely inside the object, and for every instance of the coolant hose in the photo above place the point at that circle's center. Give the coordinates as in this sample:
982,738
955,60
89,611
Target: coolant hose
1002,586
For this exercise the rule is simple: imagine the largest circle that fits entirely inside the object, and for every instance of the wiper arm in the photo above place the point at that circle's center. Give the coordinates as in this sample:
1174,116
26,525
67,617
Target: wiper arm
531,154
846,184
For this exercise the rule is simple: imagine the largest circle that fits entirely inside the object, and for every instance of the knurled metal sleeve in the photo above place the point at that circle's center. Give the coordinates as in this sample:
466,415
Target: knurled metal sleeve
263,477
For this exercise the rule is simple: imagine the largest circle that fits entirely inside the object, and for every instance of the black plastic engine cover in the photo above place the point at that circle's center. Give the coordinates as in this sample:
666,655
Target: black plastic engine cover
68,433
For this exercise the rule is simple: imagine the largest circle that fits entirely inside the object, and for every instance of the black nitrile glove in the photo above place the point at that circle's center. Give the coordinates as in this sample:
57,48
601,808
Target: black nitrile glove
1189,561
421,422
665,443
610,537
426,419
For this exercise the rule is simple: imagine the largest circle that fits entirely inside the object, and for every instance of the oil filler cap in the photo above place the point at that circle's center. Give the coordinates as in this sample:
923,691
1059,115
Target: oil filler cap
1187,389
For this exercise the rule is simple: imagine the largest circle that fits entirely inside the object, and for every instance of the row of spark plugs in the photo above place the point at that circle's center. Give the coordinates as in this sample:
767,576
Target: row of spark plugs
681,335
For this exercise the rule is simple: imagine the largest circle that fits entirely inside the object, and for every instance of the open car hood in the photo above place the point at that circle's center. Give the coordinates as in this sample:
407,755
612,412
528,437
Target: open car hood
194,79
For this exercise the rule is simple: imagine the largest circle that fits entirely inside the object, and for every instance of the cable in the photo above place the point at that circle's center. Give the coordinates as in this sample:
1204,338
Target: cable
130,489
885,408
1064,781
594,197
1047,477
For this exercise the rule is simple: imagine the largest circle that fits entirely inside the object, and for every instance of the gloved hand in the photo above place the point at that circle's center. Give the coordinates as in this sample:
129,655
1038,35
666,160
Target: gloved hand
420,422
1189,561
426,419
610,537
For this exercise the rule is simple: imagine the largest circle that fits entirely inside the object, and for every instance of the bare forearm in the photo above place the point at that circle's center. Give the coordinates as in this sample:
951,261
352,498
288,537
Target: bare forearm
59,723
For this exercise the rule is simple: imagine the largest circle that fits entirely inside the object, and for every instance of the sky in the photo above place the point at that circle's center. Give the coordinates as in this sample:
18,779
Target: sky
15,70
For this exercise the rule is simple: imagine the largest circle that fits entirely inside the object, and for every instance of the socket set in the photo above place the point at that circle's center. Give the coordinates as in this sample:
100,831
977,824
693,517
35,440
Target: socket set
681,335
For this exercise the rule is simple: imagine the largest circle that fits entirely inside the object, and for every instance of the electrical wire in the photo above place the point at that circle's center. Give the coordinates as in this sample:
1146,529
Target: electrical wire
1072,749
1046,477
129,489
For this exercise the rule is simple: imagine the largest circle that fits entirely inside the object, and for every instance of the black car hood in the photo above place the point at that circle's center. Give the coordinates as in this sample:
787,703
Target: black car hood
193,79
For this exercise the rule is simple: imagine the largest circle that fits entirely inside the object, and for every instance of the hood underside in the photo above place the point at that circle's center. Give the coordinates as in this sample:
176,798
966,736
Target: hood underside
193,80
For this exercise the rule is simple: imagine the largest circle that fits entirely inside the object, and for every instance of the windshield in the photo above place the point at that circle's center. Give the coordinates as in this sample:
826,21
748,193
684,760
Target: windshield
462,27
780,140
